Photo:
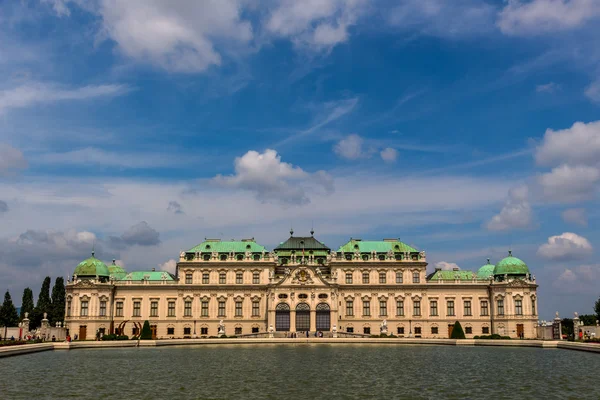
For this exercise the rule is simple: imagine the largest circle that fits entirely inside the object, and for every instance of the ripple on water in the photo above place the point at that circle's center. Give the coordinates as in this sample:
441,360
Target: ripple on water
301,371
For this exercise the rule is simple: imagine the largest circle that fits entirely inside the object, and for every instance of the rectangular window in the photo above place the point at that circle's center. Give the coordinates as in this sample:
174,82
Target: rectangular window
366,308
349,307
468,308
205,278
204,308
484,308
171,309
170,330
188,279
154,309
400,330
518,307
365,277
221,308
350,329
400,308
532,306
256,278
382,307
468,330
238,308
222,278
68,308
238,330
255,329
417,308
417,330
434,308
485,330
137,308
103,308
239,278
348,277
500,307
119,312
187,330
382,277
256,308
434,330
450,308
187,310
367,330
416,278
84,308
399,278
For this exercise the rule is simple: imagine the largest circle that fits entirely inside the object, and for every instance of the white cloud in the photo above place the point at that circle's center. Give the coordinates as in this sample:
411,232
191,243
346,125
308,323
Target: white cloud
315,24
579,144
442,18
92,156
592,91
141,234
575,216
11,160
389,155
549,87
270,179
568,246
580,279
447,266
169,266
34,93
352,147
570,184
546,16
516,213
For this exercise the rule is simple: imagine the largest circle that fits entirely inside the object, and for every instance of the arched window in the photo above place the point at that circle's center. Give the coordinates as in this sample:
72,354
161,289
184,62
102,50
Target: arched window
303,317
323,317
282,317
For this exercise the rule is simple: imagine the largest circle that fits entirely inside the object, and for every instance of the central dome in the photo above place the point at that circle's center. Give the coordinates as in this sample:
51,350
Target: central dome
91,267
511,266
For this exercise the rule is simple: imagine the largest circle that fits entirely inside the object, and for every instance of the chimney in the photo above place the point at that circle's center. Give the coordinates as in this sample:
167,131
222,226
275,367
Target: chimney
455,269
153,269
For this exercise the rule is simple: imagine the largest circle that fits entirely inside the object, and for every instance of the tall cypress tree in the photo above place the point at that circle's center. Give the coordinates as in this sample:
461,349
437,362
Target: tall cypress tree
43,305
58,301
27,302
8,312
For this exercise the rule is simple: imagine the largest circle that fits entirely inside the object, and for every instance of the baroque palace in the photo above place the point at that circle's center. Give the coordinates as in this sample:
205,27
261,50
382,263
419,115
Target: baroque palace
241,288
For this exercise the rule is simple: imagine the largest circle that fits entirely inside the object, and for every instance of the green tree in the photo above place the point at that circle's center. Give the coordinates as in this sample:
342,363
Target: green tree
146,332
57,310
27,304
8,314
597,309
567,326
43,305
588,319
457,331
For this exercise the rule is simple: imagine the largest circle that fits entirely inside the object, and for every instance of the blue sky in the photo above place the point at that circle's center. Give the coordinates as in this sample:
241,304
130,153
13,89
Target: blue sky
141,127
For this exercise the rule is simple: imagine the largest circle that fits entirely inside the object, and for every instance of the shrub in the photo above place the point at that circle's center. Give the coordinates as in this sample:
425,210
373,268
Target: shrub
457,331
109,337
374,336
146,332
495,336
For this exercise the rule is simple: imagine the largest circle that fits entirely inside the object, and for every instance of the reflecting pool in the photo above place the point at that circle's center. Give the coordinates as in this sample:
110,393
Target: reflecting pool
302,371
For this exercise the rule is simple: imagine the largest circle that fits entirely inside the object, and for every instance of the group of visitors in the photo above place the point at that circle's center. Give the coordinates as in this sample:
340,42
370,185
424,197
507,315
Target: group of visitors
302,334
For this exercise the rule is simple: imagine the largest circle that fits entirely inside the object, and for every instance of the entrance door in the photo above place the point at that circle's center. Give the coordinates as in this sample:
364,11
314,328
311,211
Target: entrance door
450,329
323,317
82,332
153,330
520,330
302,317
282,317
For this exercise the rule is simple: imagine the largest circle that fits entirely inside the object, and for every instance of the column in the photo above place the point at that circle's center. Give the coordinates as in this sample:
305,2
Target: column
293,320
313,320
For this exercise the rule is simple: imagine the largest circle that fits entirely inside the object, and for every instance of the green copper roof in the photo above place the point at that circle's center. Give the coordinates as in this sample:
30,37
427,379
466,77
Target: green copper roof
116,271
462,275
301,242
220,246
379,246
511,266
486,271
91,267
148,275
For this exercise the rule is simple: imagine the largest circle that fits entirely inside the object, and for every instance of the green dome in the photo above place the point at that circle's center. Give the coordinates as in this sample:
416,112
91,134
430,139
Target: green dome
92,267
116,271
511,266
486,271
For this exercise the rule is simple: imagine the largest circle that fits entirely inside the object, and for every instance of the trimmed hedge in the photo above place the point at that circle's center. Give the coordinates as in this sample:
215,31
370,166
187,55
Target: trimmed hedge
495,336
457,331
115,337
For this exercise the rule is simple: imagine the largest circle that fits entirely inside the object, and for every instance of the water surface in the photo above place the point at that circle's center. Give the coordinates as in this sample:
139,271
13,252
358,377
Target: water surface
302,371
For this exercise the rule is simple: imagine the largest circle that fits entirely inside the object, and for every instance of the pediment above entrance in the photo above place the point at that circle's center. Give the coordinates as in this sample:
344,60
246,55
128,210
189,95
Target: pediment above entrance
302,276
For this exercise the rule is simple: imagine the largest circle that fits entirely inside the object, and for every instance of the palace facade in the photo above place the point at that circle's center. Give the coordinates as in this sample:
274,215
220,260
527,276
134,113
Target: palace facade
241,288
